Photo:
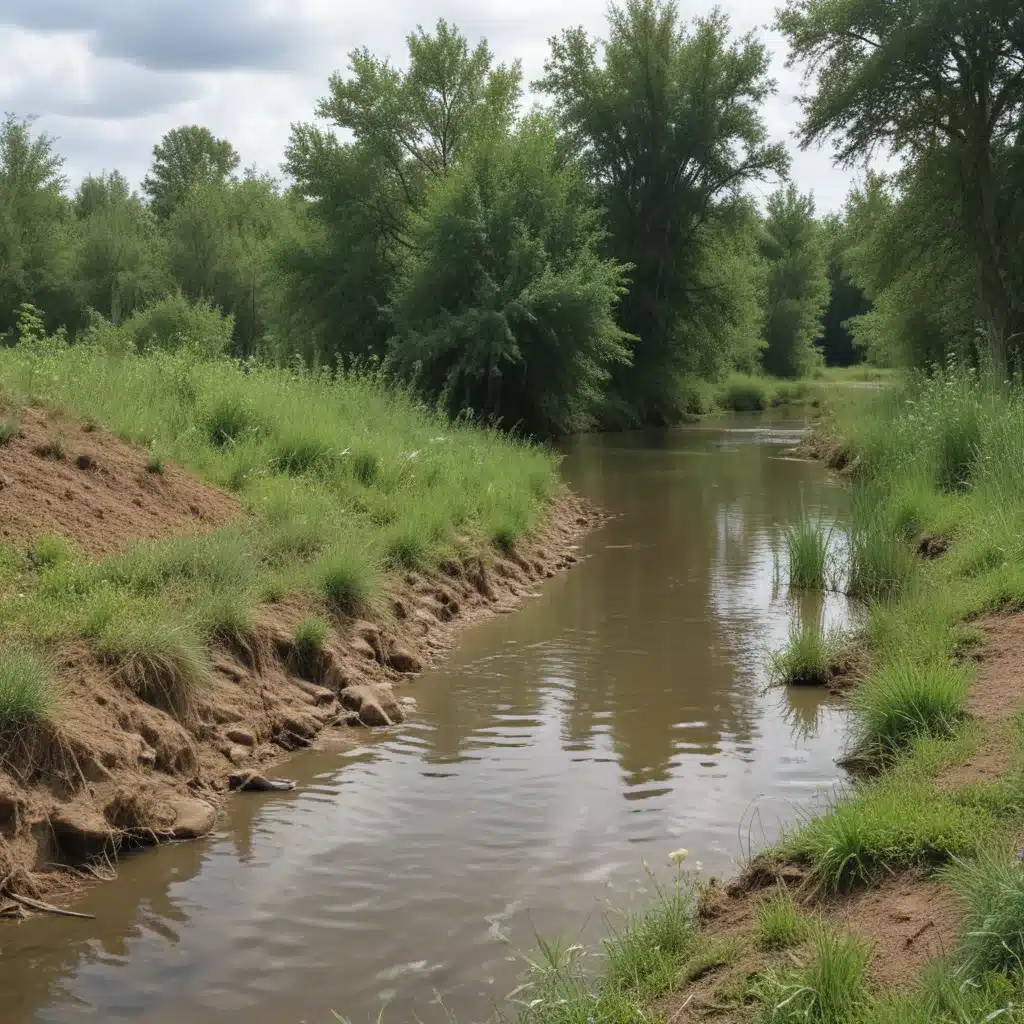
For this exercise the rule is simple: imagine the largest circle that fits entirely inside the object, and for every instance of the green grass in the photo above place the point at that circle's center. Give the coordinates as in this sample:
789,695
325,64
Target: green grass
311,635
903,701
9,430
744,394
828,988
26,693
808,555
898,821
810,657
779,923
342,479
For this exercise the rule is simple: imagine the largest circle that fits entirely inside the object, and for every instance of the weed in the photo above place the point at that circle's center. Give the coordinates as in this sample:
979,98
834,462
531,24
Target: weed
51,549
779,923
348,578
52,449
311,635
9,431
881,565
25,689
904,700
743,395
154,464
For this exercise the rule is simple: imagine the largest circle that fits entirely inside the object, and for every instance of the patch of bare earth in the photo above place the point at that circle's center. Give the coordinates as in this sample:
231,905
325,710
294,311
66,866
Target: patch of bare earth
111,772
59,477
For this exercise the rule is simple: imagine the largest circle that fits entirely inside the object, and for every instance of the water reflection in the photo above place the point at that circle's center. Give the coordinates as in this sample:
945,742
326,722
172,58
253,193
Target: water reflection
623,709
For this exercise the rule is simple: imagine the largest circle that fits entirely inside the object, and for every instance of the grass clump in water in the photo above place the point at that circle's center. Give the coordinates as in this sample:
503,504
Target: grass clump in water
904,701
779,923
810,658
808,556
25,690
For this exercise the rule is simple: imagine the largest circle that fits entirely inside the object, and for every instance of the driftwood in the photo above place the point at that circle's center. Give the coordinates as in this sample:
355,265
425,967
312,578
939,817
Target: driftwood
49,908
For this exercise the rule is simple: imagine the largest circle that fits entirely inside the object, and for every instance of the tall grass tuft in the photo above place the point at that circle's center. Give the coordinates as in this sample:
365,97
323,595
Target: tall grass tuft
991,887
348,578
810,658
881,565
162,660
829,988
903,701
25,689
807,554
779,923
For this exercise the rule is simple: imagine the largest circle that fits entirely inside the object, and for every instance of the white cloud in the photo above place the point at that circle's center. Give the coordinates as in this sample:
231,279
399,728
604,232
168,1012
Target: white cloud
110,78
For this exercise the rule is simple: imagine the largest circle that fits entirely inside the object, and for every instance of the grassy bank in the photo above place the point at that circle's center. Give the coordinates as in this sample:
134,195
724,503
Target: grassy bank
936,469
744,392
342,480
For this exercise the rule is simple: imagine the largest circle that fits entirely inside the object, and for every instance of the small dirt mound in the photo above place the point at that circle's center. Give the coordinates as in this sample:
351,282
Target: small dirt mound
88,486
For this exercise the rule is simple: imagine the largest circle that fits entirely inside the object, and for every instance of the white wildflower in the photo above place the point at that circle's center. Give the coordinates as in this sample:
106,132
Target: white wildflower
678,856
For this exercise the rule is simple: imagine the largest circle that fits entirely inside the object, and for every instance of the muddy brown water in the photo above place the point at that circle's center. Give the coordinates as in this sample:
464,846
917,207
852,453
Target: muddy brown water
620,714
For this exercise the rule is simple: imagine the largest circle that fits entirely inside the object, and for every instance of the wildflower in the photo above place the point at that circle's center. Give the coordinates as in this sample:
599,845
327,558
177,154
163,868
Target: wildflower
698,866
678,856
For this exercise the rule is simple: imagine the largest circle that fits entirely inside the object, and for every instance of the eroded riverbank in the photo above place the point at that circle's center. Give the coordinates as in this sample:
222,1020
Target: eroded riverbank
619,714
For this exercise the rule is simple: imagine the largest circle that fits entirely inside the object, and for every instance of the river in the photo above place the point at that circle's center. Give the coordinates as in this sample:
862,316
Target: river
620,714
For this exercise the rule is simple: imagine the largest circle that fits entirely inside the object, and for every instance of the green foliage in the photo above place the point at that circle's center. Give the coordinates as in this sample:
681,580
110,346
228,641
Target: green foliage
810,657
744,394
311,635
174,322
779,923
797,289
9,431
666,122
808,554
897,822
991,887
348,577
25,689
903,701
828,988
507,310
184,159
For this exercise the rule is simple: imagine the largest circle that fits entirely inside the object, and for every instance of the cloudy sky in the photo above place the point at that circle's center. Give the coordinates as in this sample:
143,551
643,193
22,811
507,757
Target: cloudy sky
109,77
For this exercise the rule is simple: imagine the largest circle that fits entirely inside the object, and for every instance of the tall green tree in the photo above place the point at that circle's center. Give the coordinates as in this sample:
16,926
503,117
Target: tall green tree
183,159
846,301
666,120
505,306
942,79
36,225
793,247
121,257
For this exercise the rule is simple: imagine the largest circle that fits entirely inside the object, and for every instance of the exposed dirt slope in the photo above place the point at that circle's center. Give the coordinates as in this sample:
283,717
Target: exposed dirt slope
83,483
112,771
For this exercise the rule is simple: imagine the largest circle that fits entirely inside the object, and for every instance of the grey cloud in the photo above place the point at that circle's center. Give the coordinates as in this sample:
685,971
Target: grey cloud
170,35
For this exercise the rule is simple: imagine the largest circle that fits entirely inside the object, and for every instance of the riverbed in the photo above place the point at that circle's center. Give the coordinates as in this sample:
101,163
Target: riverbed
621,713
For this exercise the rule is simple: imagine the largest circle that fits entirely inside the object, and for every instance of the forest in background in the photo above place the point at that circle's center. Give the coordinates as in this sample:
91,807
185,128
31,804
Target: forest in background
573,263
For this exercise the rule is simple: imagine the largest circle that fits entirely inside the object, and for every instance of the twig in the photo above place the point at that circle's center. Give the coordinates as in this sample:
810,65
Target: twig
49,908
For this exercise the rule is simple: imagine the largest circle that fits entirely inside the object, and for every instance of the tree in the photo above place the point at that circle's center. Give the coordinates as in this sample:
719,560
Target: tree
183,159
942,79
420,121
668,127
846,298
121,258
36,228
797,289
504,306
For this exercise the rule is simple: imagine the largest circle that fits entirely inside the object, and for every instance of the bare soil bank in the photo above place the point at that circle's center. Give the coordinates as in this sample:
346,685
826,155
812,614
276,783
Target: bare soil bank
111,772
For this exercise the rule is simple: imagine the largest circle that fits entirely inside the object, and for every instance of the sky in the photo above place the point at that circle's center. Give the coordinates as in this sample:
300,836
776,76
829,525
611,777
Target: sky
108,77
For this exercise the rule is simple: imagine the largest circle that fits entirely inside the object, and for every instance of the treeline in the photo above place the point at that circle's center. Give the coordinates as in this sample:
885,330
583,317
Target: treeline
550,269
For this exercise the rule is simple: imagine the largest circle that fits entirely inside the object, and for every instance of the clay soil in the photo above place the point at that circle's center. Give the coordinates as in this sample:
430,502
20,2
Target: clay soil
109,772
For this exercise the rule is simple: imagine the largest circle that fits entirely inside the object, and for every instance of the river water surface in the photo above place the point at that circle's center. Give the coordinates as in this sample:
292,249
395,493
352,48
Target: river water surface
617,716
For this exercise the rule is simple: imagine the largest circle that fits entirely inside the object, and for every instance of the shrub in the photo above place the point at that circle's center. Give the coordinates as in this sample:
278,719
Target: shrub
903,701
52,449
154,464
779,923
810,657
25,691
744,395
51,549
174,323
807,554
230,420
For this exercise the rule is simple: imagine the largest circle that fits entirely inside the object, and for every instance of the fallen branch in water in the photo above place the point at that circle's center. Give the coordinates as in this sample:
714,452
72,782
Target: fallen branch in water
49,908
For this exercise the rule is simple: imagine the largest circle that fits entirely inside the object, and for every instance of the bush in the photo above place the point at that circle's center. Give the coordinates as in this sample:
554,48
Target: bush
25,691
744,394
903,701
175,323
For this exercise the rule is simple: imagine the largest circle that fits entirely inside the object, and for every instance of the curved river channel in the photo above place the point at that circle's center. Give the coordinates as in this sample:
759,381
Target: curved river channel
619,715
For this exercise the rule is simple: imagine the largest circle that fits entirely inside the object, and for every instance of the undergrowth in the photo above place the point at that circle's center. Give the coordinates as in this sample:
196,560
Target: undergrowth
810,658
